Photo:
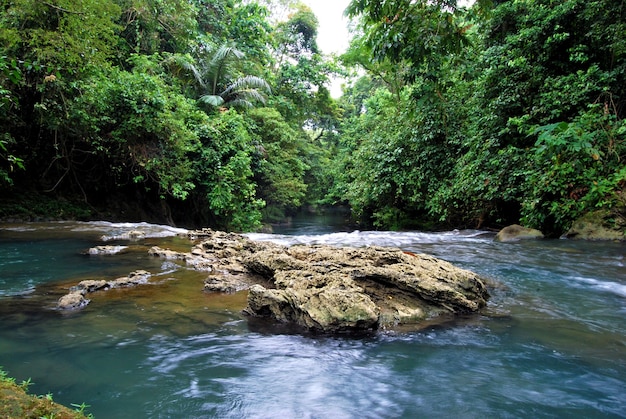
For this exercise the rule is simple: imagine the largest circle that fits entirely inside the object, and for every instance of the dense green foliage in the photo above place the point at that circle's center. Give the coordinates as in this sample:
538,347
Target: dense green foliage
504,112
126,103
218,112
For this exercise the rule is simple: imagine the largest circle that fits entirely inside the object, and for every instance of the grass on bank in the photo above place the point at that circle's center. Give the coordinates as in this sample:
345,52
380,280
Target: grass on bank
16,403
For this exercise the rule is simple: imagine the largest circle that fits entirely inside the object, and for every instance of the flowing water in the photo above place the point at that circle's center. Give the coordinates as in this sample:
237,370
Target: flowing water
551,343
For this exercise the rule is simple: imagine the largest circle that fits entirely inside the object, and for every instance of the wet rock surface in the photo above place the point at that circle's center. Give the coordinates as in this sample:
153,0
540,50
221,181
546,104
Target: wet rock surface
317,287
76,299
598,225
332,289
516,232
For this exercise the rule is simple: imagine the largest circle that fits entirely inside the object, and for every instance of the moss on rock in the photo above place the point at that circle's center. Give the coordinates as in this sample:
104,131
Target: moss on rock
16,403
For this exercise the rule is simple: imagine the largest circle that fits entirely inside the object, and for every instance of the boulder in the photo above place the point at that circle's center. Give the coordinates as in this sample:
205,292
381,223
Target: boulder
328,309
598,225
331,289
516,232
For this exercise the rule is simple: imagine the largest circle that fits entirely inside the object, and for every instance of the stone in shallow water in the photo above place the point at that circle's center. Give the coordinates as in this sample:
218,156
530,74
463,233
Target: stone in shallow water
72,301
89,285
106,250
75,298
516,232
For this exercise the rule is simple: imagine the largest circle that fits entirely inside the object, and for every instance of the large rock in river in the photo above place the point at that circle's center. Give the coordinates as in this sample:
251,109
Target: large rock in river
334,289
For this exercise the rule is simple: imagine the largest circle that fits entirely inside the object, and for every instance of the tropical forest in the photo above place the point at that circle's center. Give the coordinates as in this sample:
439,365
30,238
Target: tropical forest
219,113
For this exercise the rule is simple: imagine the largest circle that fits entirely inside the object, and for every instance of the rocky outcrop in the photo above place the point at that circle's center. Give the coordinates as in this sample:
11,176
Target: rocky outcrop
320,288
75,299
333,289
598,225
516,232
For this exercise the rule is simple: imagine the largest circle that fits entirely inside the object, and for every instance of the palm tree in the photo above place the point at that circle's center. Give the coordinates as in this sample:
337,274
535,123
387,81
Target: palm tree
212,75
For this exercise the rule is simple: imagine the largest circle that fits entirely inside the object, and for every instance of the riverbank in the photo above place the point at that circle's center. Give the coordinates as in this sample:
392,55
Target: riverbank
33,206
16,403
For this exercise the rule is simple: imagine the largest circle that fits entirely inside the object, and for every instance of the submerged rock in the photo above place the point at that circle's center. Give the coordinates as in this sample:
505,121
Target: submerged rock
75,299
516,232
106,250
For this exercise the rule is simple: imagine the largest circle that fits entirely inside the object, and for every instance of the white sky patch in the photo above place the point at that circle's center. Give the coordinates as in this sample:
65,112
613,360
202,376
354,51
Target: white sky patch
332,33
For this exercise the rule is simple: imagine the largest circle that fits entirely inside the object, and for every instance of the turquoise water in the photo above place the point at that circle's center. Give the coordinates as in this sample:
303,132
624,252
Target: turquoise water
552,342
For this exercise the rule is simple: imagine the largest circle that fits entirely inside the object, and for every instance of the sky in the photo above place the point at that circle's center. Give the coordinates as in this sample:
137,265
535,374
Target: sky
332,33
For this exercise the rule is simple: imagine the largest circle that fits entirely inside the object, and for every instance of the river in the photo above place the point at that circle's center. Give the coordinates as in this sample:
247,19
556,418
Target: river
551,343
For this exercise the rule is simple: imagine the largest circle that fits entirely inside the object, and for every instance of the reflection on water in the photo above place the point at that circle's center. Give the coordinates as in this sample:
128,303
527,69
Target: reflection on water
551,343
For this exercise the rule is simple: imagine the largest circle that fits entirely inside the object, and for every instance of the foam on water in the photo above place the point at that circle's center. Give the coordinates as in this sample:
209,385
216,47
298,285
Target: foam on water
608,286
109,230
129,231
373,238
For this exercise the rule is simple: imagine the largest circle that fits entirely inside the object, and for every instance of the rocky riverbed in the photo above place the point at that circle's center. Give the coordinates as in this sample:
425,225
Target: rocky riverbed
318,287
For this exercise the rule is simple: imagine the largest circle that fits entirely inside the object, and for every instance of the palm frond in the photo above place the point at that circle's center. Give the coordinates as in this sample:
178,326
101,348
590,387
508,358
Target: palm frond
250,82
224,51
219,61
213,100
251,86
186,62
240,103
251,95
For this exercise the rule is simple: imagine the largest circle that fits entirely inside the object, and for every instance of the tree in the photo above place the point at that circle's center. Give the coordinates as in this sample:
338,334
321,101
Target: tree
301,72
421,32
226,195
551,77
152,26
214,74
279,167
10,74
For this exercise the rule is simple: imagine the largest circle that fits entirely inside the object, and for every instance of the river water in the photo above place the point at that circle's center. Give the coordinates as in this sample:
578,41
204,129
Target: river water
551,343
